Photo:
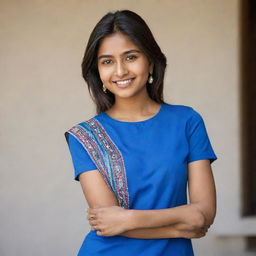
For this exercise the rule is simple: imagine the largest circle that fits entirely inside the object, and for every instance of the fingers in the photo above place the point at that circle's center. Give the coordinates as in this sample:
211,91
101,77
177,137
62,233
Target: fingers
205,229
94,223
196,234
91,217
201,233
92,220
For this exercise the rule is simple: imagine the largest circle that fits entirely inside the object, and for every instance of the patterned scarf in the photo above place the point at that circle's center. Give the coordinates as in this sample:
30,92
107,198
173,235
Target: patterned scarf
105,155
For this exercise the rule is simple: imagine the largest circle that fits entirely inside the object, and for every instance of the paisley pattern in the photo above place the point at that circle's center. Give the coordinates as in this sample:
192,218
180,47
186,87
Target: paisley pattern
106,156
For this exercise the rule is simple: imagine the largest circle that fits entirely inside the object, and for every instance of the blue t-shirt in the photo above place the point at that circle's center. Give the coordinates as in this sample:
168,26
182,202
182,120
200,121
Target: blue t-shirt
155,153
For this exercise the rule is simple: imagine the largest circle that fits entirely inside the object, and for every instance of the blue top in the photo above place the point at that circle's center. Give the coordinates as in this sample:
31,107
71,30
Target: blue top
156,153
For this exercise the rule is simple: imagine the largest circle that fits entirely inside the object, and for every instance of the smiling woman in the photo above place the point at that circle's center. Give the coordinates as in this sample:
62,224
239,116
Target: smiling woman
126,57
137,41
123,65
137,156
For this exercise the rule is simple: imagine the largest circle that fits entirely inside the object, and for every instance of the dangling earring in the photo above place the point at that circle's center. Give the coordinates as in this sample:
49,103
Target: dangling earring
150,79
104,88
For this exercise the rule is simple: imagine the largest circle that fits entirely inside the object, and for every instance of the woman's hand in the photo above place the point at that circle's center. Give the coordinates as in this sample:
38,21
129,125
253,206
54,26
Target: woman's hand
108,221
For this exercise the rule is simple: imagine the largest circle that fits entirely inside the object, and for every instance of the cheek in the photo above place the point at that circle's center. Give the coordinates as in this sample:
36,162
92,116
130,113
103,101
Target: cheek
104,73
141,69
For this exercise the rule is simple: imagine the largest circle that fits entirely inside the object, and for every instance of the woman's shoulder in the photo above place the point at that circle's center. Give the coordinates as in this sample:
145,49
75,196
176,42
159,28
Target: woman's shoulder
184,113
180,110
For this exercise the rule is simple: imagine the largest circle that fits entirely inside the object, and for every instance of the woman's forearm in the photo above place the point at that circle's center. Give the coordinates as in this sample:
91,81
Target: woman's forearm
180,221
152,233
188,215
170,231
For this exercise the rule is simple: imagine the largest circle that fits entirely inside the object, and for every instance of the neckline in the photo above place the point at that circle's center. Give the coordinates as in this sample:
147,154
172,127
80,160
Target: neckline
136,122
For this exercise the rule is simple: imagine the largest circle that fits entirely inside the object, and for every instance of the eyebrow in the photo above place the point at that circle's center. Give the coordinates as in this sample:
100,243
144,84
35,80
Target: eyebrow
124,53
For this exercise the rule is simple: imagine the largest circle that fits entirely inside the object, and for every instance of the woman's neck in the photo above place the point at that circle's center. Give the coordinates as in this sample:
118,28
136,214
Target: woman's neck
131,110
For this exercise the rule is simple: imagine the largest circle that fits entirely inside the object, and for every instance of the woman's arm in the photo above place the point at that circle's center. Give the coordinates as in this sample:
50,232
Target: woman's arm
114,220
98,196
171,231
198,214
202,190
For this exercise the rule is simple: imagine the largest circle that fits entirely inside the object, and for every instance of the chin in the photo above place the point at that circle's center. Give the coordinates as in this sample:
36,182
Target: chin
130,94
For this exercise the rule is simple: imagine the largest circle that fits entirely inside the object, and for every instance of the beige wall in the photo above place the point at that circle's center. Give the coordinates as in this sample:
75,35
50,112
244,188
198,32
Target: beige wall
43,94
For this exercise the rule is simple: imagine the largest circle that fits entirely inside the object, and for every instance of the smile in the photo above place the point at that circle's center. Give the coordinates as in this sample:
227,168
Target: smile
124,83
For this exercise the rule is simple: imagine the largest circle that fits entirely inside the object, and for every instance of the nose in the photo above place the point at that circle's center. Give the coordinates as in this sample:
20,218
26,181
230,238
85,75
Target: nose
121,69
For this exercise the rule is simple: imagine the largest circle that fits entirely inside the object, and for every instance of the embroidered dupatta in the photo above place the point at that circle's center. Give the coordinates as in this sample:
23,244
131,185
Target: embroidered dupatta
105,155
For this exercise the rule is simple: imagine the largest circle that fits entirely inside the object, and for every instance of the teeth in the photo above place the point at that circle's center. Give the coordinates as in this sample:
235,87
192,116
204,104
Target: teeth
124,82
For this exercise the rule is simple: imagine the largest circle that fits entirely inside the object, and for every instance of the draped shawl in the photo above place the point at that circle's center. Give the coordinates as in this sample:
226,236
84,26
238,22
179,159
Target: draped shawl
105,155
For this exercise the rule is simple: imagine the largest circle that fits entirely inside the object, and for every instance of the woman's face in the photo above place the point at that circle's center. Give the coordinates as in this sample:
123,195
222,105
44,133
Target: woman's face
122,66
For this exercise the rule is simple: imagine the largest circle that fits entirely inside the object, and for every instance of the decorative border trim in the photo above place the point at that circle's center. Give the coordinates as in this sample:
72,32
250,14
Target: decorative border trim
106,156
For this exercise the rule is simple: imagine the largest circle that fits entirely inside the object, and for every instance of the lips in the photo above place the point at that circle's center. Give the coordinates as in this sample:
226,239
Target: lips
124,83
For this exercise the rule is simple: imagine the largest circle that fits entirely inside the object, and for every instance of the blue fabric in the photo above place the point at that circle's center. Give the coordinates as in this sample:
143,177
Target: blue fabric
156,153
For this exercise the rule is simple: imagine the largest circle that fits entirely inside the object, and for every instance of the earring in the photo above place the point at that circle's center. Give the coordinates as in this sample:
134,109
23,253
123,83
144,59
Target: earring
104,88
150,79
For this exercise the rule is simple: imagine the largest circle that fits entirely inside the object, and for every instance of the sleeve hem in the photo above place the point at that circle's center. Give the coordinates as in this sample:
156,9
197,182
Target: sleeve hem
212,158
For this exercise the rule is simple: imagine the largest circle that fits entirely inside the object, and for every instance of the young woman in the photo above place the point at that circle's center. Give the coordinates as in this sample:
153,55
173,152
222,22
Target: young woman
135,158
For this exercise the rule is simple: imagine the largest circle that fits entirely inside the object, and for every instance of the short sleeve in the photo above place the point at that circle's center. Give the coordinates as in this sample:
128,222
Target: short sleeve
81,160
199,143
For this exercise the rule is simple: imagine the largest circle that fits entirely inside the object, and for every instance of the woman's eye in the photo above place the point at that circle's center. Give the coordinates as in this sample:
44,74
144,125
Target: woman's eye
131,57
106,62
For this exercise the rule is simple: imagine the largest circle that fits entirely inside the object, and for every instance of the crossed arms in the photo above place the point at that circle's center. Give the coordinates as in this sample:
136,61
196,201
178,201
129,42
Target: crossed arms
188,221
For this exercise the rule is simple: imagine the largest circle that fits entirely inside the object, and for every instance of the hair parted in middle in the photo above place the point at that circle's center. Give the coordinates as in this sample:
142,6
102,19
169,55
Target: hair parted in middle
132,25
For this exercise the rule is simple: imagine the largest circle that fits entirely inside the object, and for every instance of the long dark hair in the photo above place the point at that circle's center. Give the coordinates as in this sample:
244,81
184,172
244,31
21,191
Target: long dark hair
132,25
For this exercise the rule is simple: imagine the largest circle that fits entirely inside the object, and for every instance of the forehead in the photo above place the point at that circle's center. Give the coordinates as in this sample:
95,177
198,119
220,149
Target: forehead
116,44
